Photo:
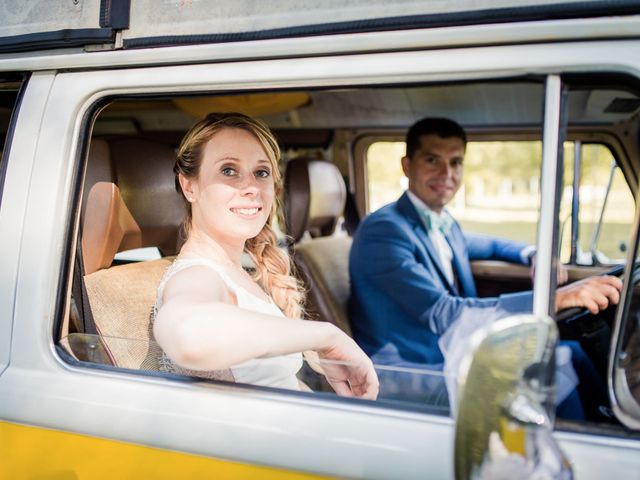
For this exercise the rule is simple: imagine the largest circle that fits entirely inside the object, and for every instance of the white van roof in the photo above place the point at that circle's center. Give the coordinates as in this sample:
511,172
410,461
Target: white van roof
44,24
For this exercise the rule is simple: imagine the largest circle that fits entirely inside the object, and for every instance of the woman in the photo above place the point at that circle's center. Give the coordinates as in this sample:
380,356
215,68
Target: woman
210,313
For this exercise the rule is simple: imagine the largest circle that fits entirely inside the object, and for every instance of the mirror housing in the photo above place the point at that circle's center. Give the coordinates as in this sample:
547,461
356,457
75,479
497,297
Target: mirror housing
506,390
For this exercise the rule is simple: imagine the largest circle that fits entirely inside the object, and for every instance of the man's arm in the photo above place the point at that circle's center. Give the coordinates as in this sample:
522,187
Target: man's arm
389,260
486,247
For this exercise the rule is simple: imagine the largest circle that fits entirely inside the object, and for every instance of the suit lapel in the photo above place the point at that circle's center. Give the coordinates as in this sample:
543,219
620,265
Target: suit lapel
460,261
405,206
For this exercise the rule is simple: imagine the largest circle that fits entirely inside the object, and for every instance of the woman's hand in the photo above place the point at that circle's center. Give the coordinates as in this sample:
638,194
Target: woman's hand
348,369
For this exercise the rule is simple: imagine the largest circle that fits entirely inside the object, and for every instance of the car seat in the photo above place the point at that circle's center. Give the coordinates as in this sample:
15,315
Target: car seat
142,210
314,201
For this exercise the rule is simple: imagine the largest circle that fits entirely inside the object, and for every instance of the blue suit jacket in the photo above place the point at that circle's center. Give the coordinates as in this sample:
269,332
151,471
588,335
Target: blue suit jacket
399,293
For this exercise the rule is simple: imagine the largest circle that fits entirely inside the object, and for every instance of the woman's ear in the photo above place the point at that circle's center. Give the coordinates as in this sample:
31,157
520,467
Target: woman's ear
189,187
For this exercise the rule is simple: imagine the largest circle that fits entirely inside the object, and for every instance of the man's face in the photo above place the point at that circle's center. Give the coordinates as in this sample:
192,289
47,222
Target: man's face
435,170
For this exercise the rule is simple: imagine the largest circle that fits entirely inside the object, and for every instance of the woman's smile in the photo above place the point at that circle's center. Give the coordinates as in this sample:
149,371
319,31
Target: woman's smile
247,212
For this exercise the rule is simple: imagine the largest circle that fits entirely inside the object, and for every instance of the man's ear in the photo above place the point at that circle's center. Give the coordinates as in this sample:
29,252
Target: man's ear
189,188
406,162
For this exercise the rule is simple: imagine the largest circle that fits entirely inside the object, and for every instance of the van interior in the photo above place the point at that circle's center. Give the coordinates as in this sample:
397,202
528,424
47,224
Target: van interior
341,150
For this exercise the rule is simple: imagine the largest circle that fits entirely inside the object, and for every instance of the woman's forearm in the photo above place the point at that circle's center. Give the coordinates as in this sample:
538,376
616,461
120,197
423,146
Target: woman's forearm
217,335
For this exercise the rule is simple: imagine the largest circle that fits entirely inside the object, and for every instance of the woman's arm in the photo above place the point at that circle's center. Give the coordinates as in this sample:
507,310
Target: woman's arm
200,329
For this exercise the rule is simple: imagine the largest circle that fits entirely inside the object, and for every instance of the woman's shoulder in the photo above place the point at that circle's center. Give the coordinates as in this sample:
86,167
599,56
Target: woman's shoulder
194,278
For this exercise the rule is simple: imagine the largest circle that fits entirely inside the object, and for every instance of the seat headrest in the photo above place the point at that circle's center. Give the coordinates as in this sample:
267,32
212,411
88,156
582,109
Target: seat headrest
314,197
134,192
108,227
99,168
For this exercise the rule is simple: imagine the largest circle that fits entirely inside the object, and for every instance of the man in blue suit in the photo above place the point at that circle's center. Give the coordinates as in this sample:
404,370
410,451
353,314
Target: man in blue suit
410,261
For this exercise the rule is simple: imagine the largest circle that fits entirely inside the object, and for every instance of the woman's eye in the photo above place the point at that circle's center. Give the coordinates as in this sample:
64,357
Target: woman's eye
228,171
263,173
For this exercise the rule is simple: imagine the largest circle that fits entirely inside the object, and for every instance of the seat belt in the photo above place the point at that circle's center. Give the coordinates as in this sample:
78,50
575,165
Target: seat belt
79,291
350,214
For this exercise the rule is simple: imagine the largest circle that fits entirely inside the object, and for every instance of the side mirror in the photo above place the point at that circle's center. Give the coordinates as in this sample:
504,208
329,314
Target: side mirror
505,409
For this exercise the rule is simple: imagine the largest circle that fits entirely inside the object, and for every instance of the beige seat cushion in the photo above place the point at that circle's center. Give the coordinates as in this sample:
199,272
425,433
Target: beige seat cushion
324,262
121,299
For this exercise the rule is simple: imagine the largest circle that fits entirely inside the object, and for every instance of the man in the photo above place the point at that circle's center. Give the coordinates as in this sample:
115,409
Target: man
409,264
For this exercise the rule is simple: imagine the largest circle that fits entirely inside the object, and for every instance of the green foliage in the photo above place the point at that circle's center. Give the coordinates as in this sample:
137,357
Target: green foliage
518,162
501,191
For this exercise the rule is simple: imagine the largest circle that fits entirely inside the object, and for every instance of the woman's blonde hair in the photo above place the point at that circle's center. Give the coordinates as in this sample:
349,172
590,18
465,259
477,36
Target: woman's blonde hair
273,265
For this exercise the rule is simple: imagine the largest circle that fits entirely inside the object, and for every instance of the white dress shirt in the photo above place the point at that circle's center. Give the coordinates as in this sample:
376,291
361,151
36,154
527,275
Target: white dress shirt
436,236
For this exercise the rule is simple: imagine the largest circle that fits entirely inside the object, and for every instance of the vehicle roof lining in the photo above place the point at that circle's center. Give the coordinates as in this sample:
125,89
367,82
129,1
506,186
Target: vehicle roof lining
516,103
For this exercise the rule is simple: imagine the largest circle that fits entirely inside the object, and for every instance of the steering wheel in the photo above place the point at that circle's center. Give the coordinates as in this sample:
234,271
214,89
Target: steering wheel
572,314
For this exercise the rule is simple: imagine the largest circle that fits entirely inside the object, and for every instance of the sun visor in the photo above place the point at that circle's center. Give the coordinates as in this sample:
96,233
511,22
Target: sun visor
254,105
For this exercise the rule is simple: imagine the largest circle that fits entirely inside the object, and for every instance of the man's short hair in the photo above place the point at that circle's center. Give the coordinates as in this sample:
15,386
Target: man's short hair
442,127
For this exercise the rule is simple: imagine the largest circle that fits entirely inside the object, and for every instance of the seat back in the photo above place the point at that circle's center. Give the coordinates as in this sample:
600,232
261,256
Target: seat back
121,299
122,296
142,210
108,227
323,264
314,202
144,174
142,171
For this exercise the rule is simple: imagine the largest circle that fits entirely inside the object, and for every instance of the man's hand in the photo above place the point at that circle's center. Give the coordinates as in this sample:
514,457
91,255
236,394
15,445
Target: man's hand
563,273
593,293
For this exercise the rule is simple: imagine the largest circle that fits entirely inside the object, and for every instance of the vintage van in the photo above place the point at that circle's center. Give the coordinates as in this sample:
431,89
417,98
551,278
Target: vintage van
94,99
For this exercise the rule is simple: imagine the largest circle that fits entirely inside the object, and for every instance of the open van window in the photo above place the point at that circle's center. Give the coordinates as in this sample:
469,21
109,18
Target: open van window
131,154
130,206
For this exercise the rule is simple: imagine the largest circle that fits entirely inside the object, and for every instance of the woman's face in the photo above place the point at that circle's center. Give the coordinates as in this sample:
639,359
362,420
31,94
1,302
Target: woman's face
233,194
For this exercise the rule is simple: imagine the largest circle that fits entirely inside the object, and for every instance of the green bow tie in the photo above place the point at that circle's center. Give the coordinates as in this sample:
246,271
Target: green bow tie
433,221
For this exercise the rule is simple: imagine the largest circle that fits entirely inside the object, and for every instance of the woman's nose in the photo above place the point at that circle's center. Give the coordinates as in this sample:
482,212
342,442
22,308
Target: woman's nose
249,185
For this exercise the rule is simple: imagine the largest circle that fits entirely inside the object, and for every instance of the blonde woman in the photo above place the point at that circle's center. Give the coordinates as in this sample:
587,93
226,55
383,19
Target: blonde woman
211,314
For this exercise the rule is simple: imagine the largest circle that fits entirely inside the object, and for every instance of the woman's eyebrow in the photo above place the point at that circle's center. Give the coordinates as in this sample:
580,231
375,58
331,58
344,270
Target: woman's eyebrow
227,159
237,160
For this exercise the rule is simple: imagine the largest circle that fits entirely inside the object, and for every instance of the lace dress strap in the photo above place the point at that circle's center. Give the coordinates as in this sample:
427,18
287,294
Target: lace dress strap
182,264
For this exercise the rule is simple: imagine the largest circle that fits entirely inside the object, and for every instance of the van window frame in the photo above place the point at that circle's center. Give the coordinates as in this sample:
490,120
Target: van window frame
626,406
24,79
67,278
6,325
79,162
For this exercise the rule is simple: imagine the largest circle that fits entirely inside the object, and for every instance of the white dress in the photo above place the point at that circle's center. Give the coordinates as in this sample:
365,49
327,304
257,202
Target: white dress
279,371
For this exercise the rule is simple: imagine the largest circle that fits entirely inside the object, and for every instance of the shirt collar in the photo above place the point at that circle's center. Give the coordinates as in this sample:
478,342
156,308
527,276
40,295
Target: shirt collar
443,220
